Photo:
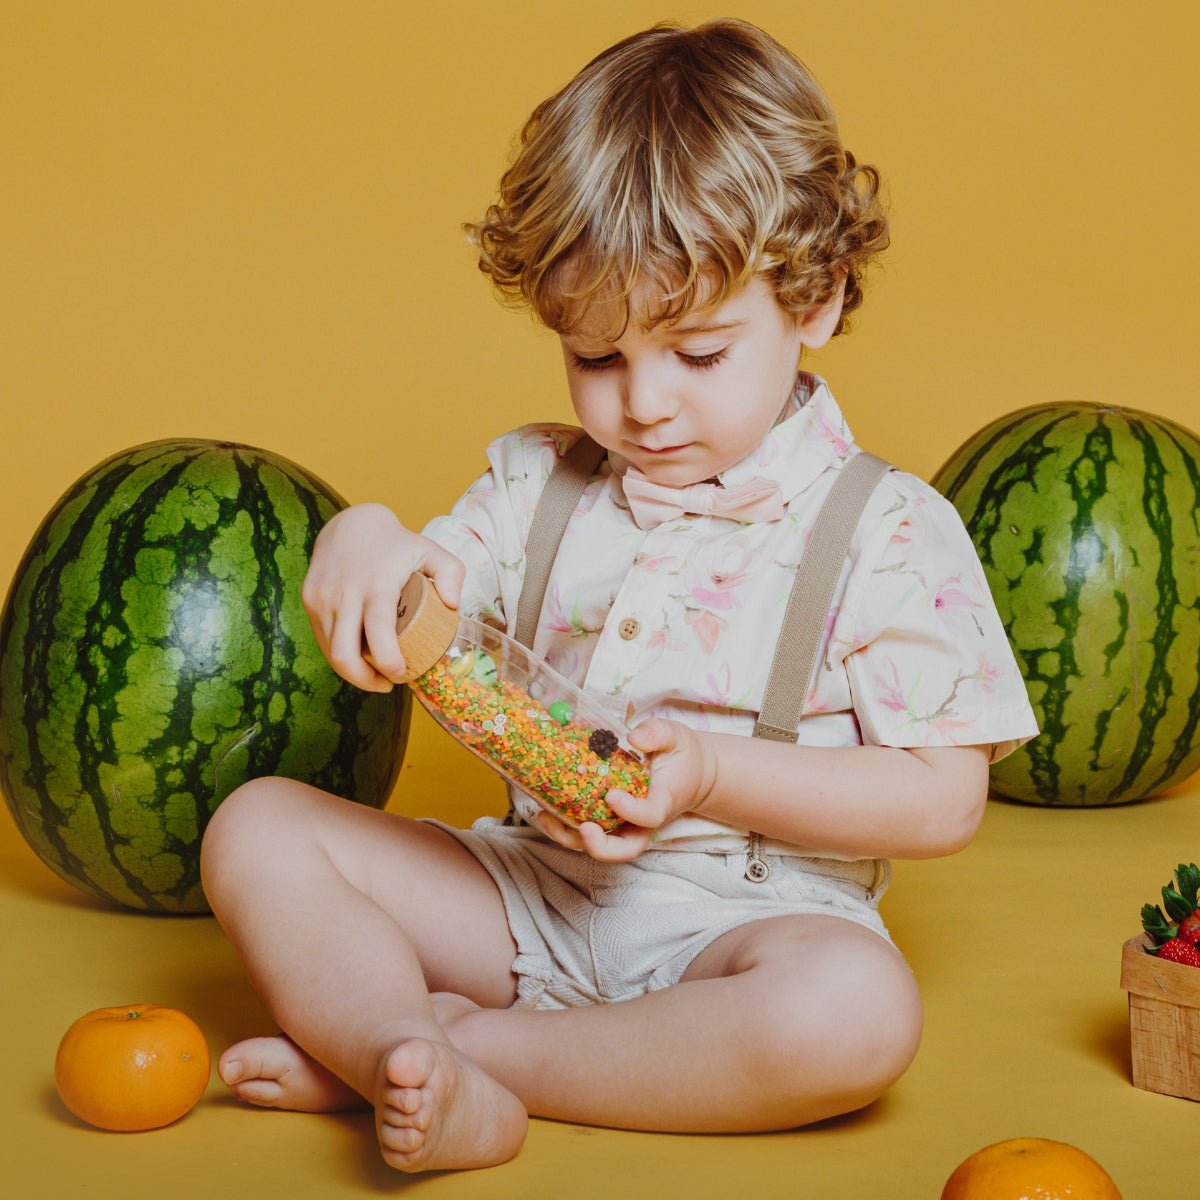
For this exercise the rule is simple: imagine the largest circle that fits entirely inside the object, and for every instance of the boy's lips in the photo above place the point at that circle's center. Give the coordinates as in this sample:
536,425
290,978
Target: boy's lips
663,449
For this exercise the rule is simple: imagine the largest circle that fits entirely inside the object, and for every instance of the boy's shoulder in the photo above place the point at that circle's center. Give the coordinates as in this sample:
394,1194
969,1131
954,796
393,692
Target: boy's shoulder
532,450
901,491
908,517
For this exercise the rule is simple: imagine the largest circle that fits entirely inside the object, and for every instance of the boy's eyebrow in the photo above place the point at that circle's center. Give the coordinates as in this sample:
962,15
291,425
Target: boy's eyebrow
708,327
701,327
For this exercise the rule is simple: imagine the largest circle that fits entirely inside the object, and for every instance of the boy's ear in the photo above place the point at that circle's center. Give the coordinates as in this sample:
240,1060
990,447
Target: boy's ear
816,325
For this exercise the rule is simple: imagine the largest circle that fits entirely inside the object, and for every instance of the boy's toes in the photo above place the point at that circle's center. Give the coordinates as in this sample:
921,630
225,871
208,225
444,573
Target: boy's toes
267,1093
275,1073
406,1102
398,1139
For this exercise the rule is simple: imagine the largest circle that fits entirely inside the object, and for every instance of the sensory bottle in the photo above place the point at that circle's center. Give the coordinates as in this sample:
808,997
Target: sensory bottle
510,708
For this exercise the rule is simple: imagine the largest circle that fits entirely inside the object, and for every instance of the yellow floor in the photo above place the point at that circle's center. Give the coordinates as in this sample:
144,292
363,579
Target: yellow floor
1016,942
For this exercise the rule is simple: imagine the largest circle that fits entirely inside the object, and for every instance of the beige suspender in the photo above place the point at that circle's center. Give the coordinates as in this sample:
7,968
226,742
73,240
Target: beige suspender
554,508
817,574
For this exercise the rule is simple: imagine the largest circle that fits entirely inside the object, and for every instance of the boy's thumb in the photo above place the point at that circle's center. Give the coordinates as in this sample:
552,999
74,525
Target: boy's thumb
447,574
652,735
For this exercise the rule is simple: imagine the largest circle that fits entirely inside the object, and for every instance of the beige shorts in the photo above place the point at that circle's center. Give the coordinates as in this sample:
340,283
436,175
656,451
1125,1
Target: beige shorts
589,932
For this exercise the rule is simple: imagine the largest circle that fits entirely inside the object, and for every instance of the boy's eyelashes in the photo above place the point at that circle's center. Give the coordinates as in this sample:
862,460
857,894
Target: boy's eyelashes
602,362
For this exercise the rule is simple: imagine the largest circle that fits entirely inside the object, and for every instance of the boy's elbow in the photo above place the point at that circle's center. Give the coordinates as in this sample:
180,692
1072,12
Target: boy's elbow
964,823
963,793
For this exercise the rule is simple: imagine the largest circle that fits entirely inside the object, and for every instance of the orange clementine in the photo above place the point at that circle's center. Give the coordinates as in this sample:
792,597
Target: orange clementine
1030,1169
134,1067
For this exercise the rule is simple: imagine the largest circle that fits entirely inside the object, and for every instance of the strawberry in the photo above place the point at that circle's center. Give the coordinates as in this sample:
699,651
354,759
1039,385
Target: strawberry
1176,933
1179,950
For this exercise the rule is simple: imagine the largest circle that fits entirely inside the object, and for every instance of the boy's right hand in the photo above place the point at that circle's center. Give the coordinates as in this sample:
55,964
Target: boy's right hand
360,563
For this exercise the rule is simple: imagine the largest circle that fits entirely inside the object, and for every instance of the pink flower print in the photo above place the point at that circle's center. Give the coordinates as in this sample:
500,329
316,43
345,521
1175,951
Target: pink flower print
949,595
986,673
902,534
567,662
948,729
719,688
654,562
706,626
731,569
480,494
722,592
556,618
890,695
837,437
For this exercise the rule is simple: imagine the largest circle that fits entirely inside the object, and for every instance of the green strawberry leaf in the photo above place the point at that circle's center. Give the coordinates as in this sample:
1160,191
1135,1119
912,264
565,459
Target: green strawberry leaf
1177,906
1187,879
1156,924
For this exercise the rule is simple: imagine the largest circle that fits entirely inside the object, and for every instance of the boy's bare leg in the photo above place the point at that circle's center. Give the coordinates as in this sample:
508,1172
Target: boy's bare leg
344,917
775,1025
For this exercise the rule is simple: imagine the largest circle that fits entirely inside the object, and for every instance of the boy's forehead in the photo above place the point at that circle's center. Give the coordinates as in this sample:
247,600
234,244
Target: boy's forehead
606,317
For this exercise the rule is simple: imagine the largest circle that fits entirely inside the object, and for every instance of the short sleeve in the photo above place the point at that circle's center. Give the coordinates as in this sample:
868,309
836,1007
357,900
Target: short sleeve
488,526
927,658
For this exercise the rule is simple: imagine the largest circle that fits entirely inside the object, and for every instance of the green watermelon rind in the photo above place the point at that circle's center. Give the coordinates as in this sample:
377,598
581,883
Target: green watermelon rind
110,765
1109,644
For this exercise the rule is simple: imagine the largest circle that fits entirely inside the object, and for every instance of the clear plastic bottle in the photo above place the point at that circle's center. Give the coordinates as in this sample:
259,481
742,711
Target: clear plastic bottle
516,713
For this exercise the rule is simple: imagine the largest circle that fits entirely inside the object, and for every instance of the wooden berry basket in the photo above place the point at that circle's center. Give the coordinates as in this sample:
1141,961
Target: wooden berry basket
1164,1021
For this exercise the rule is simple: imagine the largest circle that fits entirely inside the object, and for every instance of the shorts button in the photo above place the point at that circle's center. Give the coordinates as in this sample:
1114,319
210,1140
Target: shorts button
757,870
629,628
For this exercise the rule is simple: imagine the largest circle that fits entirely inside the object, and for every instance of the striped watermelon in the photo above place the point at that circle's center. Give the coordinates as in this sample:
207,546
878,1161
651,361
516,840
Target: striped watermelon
1087,520
154,654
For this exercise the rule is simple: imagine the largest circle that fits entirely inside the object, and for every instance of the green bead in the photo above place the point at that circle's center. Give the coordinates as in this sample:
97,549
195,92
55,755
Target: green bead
484,669
462,663
560,710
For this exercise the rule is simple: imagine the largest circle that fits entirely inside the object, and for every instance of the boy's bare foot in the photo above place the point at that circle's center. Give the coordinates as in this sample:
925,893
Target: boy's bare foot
275,1073
436,1109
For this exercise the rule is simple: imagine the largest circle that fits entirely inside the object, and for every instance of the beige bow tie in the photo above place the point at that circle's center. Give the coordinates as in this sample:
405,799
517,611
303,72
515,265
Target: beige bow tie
653,503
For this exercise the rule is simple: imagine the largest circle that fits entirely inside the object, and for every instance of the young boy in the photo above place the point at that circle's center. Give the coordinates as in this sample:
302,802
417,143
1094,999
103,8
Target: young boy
684,216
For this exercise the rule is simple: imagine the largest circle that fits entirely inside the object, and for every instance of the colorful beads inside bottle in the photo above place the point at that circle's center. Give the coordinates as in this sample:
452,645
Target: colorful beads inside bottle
542,749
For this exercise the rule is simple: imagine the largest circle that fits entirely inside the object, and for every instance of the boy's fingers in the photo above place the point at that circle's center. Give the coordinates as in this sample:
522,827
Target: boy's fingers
641,812
652,735
379,630
627,807
623,845
558,831
346,656
447,573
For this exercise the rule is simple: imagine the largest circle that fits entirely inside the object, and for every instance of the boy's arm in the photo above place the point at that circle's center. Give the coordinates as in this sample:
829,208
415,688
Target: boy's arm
859,801
360,563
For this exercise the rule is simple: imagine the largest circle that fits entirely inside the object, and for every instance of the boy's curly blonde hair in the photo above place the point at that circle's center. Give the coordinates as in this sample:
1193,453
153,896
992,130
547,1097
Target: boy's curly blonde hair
682,162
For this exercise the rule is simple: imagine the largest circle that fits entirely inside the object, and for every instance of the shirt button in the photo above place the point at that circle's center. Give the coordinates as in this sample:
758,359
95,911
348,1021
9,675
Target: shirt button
629,628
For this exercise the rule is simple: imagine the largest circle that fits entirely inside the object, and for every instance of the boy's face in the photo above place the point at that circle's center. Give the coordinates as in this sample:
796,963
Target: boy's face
684,401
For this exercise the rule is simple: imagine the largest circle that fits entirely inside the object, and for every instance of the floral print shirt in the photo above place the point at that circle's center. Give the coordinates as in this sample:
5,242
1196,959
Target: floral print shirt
681,621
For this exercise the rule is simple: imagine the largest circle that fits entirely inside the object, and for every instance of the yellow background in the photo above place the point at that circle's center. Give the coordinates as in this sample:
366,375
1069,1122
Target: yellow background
242,221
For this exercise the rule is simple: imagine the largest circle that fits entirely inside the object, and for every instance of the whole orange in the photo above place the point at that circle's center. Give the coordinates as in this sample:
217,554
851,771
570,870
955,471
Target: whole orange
1030,1169
134,1067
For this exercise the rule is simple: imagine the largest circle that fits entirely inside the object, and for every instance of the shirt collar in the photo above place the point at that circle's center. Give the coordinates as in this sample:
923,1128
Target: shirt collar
810,436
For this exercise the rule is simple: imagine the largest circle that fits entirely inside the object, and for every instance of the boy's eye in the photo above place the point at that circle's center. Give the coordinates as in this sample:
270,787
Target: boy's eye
592,364
703,361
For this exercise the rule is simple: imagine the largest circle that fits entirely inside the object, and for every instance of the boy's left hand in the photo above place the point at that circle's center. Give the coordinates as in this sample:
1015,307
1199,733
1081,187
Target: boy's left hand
682,773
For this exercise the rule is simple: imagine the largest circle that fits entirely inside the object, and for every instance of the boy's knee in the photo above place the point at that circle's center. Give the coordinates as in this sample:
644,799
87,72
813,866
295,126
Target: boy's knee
857,1029
239,829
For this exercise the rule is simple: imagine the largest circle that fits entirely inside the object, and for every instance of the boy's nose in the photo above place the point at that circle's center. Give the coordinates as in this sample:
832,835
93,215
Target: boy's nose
647,400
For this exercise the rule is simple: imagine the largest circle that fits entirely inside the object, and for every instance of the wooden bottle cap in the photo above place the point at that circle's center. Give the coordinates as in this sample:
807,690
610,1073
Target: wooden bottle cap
425,627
